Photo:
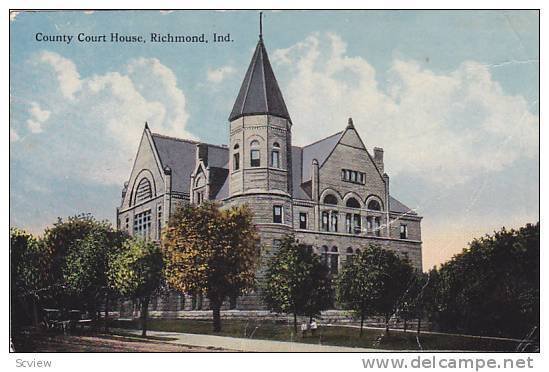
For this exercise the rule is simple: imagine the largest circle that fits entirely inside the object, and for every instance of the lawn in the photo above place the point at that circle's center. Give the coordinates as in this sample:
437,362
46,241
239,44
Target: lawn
326,335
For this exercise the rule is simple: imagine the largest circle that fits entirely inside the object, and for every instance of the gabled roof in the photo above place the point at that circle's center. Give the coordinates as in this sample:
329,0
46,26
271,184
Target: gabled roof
398,207
180,156
259,93
318,150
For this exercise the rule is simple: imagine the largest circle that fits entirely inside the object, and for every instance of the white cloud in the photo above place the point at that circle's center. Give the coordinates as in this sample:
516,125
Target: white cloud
97,120
67,75
445,127
219,74
34,126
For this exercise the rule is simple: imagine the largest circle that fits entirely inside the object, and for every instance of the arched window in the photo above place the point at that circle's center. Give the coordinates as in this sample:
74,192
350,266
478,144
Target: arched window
275,156
349,258
236,157
255,154
352,203
374,205
330,199
357,251
144,190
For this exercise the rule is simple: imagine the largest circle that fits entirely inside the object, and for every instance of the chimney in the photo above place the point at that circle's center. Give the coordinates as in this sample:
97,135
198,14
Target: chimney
202,153
378,158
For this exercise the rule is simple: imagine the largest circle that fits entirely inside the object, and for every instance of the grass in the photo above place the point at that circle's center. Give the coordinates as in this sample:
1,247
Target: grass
333,335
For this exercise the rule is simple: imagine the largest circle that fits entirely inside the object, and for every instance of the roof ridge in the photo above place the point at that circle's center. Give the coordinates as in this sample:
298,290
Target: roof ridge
189,141
323,139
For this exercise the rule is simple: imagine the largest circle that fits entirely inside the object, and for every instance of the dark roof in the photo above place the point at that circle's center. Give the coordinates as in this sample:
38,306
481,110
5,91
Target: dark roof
259,93
398,207
180,156
318,150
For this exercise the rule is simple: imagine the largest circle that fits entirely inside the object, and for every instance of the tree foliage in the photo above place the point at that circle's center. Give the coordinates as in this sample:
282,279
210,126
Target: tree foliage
212,252
136,272
492,287
29,271
373,283
296,281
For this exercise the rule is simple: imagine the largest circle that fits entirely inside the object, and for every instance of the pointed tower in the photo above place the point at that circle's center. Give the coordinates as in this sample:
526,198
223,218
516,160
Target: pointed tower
260,142
260,132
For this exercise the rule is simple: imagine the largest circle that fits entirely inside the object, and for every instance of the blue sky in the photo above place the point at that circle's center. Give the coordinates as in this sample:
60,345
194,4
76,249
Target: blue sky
452,97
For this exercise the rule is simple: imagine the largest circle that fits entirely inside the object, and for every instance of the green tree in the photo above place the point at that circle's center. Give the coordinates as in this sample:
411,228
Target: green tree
87,263
373,283
28,281
212,252
492,287
136,272
296,281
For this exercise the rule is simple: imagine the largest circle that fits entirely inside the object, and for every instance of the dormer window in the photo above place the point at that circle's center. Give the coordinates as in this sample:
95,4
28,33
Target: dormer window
255,154
275,156
236,157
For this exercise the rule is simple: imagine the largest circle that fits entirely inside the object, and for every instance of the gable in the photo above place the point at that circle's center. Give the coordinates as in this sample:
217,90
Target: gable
146,177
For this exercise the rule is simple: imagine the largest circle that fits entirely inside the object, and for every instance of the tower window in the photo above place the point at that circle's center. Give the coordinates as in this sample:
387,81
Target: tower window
277,214
303,220
236,158
275,156
403,231
255,154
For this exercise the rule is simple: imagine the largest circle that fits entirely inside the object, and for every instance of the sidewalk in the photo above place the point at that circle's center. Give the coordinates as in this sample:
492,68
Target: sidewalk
246,344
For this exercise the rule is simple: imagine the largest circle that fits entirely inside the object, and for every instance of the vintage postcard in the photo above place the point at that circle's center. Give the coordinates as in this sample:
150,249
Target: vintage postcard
275,181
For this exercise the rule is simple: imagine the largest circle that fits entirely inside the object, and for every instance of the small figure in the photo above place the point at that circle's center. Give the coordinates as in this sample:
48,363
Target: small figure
303,329
314,327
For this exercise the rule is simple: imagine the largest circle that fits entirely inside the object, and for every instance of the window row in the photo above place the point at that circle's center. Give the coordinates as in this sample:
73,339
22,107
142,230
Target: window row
353,222
255,155
353,176
351,202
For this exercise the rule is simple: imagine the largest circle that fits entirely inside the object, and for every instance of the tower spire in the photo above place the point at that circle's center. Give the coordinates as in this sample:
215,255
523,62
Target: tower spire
260,25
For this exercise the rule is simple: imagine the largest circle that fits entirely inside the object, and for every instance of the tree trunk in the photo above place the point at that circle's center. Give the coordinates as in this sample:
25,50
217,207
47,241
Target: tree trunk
216,308
386,324
36,321
107,312
418,326
361,322
405,324
144,313
295,322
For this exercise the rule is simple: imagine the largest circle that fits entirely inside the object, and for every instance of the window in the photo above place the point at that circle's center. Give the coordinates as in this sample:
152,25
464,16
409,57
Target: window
374,205
377,226
352,203
144,190
403,231
325,254
255,155
349,258
334,261
142,224
325,225
277,214
236,157
357,225
302,220
330,199
353,176
369,221
349,223
159,222
199,198
275,156
333,221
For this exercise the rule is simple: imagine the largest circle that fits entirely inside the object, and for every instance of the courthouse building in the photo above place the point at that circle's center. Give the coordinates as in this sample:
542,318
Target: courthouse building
332,194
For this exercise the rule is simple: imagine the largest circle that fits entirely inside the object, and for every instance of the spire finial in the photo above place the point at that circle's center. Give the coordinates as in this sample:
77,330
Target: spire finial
350,123
146,125
260,25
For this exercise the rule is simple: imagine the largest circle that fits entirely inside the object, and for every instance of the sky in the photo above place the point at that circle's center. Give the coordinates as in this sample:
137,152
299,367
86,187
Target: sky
451,96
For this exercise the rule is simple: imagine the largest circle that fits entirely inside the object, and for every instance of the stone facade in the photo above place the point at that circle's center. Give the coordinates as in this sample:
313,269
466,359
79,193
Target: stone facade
333,194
